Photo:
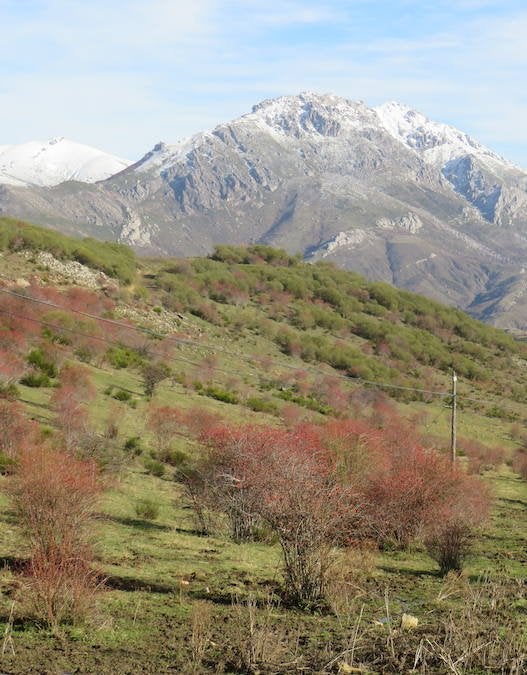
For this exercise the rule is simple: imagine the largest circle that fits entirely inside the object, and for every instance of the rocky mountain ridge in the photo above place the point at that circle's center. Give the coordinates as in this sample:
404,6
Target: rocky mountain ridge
384,191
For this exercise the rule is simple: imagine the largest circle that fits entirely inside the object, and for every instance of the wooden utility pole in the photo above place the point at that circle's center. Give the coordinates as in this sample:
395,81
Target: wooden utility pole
453,420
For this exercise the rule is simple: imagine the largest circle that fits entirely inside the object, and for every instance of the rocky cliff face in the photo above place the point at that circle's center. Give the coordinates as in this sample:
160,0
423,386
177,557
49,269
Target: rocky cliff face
383,191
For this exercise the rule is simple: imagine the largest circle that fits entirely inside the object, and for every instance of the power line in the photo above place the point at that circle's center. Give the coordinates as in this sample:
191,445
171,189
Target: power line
212,348
86,335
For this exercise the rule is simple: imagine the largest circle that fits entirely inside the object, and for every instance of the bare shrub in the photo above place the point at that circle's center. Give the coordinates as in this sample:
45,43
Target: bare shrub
258,643
449,532
59,587
54,495
519,462
481,457
201,623
449,544
153,373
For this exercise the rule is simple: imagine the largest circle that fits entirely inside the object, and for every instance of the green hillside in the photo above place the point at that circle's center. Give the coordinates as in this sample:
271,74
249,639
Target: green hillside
249,336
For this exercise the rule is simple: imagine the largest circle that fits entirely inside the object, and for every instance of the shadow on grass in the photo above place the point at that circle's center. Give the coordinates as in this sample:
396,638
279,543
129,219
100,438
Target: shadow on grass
9,517
35,404
508,500
393,569
12,563
146,525
131,584
196,533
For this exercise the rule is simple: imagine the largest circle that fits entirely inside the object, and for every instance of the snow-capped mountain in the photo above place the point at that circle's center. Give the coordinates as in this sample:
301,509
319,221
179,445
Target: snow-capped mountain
55,161
435,142
384,191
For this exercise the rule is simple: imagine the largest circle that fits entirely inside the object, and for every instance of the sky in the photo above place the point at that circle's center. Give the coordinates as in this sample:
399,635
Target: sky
123,75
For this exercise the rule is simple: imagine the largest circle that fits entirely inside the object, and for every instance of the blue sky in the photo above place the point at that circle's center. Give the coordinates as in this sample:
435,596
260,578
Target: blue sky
122,75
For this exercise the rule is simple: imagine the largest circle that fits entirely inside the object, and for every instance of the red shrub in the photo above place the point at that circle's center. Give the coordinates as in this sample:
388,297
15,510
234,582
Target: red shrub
317,486
16,431
481,457
54,495
70,401
12,367
164,423
198,420
519,462
285,479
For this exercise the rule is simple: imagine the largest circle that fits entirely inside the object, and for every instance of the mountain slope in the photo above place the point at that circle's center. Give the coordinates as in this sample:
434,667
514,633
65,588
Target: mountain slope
382,191
248,337
52,162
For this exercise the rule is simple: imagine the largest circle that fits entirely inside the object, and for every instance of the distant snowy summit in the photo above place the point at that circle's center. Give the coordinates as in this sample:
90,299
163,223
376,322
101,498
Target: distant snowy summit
310,117
49,163
435,142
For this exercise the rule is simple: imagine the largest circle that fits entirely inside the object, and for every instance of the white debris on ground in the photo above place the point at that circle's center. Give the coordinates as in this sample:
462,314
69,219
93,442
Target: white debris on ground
71,270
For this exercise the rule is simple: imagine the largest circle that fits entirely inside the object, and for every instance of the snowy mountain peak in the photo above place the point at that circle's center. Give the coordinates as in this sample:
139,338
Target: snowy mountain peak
48,163
310,115
164,155
435,142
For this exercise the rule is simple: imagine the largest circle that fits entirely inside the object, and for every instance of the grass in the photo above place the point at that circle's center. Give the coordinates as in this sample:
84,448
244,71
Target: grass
145,616
146,621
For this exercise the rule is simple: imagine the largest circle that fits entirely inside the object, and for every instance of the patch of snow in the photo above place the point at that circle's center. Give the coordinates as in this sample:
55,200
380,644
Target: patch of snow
423,260
435,142
55,161
310,116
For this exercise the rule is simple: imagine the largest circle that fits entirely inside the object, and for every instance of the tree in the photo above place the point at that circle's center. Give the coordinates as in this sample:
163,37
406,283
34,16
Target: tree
153,373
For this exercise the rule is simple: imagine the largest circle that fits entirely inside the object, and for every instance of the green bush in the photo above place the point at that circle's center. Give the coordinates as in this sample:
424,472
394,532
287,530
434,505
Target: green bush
262,405
122,395
114,259
173,457
36,380
133,445
220,394
7,464
154,467
9,391
147,508
123,357
39,360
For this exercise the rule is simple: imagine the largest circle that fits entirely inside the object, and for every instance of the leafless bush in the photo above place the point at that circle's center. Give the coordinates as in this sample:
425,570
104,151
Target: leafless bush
519,462
54,495
201,622
448,544
258,642
59,588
